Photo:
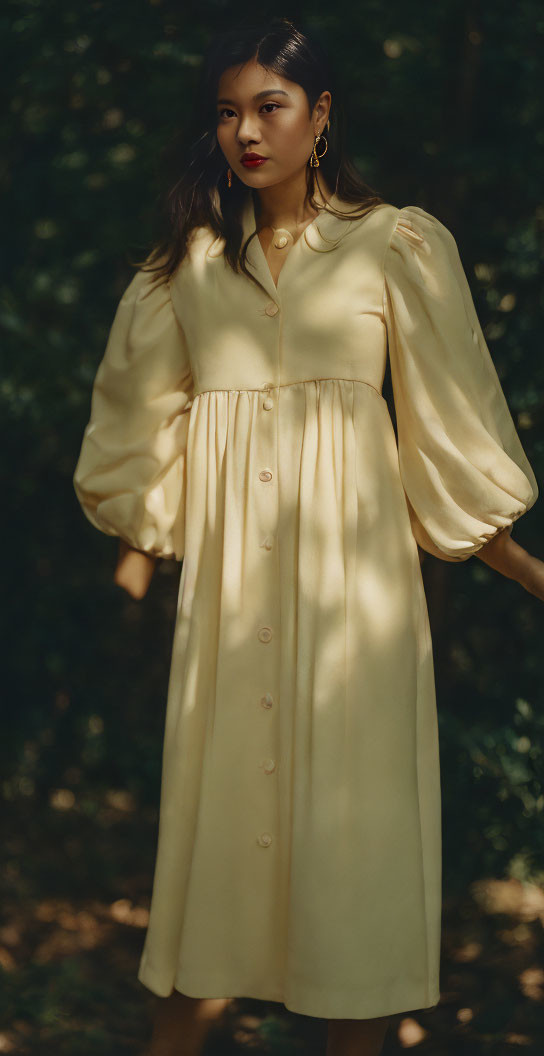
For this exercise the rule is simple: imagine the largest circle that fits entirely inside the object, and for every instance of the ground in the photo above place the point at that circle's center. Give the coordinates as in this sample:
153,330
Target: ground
75,900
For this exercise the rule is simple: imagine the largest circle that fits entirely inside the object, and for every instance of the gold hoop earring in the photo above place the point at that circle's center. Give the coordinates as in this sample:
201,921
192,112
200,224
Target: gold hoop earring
314,157
229,177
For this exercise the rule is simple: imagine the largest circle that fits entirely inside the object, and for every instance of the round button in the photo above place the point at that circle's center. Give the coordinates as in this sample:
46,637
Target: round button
267,701
265,474
272,308
267,543
268,404
264,839
265,634
280,242
268,765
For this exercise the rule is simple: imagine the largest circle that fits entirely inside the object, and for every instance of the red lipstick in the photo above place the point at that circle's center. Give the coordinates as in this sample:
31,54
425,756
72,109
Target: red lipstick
252,160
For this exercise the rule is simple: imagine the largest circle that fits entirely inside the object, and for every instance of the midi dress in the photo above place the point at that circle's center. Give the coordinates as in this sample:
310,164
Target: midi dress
240,429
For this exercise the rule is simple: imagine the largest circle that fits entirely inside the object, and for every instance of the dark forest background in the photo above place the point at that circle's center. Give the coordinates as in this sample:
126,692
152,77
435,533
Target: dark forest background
445,110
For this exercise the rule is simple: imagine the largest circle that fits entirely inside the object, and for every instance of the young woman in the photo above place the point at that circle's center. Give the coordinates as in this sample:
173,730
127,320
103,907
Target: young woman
237,423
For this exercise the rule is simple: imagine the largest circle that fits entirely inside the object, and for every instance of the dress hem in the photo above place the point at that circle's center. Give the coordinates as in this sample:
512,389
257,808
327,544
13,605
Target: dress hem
331,1005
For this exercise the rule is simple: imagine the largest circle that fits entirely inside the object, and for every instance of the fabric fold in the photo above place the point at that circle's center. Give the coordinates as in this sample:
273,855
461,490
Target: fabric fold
462,465
130,478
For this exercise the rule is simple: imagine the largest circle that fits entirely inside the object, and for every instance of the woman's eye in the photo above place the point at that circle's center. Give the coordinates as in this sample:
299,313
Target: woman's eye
227,111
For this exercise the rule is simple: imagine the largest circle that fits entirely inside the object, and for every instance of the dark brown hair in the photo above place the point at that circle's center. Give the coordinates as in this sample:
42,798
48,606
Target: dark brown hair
196,191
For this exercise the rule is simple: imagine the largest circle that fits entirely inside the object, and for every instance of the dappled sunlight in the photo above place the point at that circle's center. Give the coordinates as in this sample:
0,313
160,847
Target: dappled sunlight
59,928
491,974
410,1033
531,981
125,913
523,900
446,113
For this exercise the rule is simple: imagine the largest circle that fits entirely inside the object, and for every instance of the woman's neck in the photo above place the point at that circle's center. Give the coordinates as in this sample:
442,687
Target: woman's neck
281,206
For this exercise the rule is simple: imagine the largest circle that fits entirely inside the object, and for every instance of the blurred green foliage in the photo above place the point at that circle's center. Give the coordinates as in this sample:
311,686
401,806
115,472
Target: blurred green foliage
445,110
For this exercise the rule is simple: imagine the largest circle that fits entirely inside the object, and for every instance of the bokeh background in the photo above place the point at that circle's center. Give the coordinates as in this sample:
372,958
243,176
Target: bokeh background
445,110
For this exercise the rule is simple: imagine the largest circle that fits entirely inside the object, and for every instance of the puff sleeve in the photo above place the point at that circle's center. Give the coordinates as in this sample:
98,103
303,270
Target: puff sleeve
130,477
463,469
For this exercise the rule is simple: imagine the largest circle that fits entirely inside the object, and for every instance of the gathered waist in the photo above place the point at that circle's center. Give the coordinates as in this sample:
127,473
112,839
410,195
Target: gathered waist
271,385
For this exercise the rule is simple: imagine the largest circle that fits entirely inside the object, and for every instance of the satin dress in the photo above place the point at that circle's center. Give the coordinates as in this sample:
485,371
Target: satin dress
241,429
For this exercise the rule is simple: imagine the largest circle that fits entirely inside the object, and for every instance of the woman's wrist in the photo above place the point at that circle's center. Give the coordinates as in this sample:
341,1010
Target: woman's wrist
506,556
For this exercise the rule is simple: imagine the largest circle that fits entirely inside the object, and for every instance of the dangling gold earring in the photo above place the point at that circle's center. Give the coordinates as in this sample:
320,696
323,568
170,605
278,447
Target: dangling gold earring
314,157
229,177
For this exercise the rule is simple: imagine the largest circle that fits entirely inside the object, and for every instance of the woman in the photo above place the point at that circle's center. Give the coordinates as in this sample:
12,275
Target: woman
237,423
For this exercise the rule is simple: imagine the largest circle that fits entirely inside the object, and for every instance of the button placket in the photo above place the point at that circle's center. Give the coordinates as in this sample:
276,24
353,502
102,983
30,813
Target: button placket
267,522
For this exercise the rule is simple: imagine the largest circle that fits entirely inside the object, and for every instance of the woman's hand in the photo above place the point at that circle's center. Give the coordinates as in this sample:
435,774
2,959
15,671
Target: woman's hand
510,559
134,570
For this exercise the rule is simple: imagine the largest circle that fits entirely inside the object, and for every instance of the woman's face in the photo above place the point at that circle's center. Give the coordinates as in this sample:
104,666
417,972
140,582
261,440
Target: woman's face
263,113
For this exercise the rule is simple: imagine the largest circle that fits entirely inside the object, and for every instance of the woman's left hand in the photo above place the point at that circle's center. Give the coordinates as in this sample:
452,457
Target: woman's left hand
134,570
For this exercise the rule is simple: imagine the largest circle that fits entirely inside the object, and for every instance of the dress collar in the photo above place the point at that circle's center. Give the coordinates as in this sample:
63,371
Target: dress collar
323,233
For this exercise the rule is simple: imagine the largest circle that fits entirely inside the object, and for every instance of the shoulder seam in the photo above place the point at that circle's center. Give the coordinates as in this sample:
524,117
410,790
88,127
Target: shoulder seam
386,250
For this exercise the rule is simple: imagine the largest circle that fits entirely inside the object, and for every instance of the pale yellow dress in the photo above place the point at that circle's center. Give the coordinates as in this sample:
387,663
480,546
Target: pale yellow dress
243,429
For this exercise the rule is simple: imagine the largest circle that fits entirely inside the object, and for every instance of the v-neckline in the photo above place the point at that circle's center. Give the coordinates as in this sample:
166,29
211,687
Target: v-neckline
324,232
265,259
276,285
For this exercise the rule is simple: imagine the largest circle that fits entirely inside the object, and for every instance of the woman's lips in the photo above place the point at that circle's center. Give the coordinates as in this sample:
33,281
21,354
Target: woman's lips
252,163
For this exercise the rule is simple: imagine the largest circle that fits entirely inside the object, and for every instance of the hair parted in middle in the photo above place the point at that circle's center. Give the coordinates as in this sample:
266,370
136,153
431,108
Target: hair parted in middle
197,192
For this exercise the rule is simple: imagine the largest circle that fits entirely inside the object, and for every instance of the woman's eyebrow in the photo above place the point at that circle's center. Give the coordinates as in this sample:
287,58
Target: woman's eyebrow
259,95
